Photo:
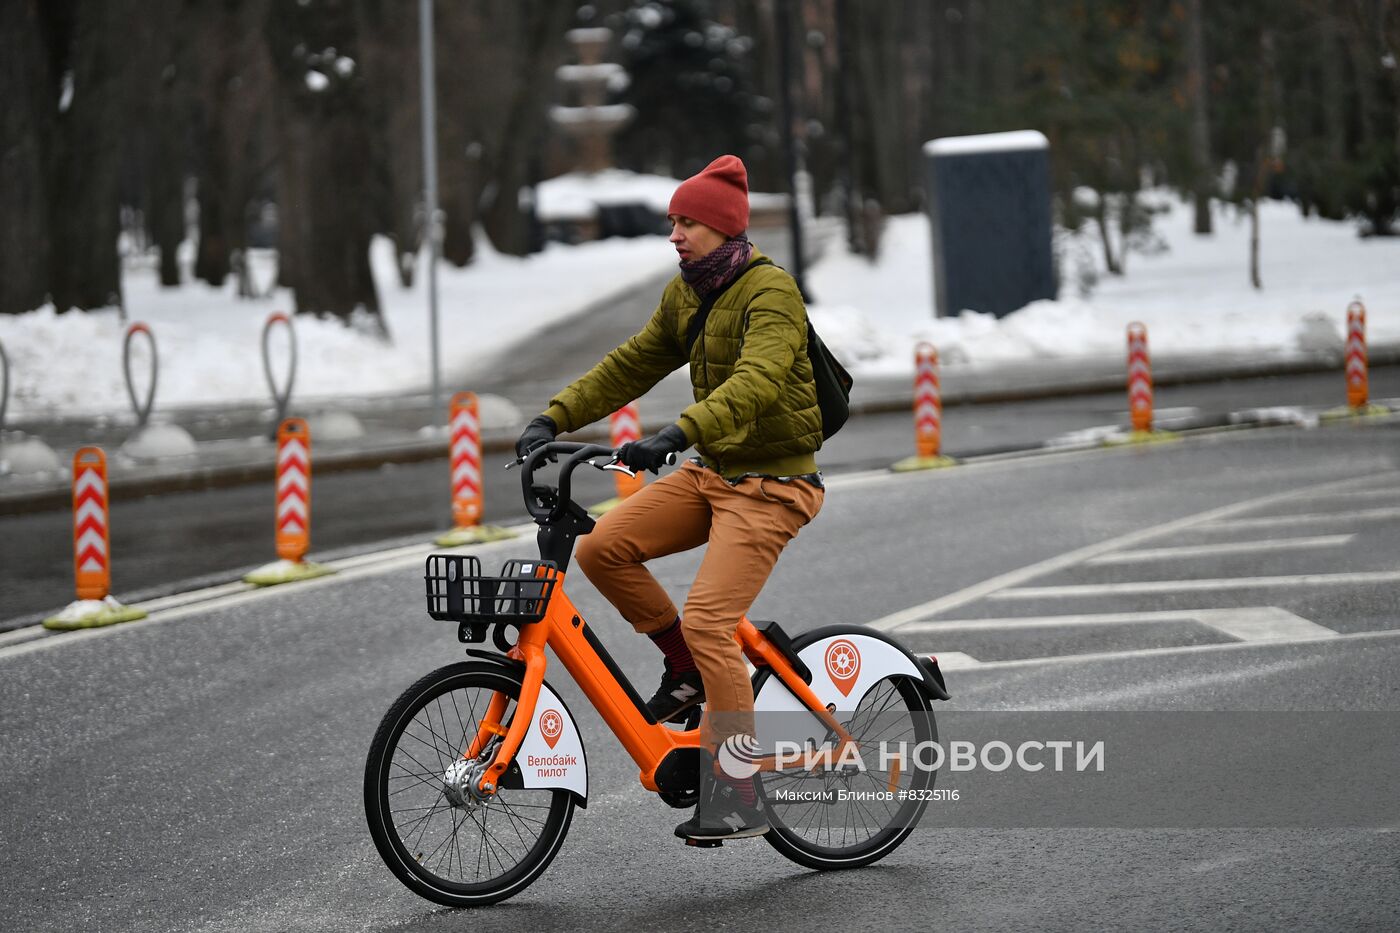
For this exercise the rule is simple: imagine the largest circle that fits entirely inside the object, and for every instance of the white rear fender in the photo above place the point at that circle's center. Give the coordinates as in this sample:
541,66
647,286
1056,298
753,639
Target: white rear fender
844,667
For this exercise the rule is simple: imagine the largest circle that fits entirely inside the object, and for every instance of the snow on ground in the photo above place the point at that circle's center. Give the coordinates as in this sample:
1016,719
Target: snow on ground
209,341
578,195
1195,297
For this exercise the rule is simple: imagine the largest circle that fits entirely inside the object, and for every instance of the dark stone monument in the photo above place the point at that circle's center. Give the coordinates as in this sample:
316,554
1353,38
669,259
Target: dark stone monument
989,207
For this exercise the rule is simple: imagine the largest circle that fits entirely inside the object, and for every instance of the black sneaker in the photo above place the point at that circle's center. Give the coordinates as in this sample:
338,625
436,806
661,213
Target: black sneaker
722,814
677,695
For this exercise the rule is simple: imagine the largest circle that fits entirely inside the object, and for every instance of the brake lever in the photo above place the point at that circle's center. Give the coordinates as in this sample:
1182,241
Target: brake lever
615,465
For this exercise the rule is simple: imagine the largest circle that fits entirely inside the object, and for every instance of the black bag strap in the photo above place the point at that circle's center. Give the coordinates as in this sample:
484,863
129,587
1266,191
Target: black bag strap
697,320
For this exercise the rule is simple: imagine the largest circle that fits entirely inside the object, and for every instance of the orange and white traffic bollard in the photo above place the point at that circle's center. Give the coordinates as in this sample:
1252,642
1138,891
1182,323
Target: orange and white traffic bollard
92,549
293,489
928,414
293,509
468,501
1139,379
91,536
1357,373
626,427
928,402
465,428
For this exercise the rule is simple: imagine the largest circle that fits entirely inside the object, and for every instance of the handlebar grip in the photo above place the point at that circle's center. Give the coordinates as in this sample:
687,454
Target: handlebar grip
671,458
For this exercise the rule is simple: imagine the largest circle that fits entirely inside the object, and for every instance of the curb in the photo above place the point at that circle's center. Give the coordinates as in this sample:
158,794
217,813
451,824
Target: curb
249,472
1184,428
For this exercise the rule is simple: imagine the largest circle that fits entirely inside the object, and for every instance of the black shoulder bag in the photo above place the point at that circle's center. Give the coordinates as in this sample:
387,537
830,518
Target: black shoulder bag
832,380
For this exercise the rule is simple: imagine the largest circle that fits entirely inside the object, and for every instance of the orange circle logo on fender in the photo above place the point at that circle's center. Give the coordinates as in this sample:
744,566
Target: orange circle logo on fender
843,664
551,726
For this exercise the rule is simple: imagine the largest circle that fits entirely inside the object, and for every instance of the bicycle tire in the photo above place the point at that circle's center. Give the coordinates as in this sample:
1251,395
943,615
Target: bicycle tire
395,771
797,844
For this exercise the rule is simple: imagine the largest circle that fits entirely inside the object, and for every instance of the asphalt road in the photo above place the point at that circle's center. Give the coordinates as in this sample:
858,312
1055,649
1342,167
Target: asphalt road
201,771
167,543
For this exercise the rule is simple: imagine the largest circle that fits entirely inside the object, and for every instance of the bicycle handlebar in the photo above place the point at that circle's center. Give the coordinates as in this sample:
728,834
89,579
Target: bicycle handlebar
574,453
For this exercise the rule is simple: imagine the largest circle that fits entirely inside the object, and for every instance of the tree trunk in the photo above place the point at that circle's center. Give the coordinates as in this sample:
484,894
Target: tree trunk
84,269
1254,278
211,262
525,130
25,126
1197,91
1110,261
324,157
1268,93
845,120
390,57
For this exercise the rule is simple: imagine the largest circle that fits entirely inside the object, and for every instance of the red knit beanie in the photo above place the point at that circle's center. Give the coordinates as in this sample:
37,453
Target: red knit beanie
718,197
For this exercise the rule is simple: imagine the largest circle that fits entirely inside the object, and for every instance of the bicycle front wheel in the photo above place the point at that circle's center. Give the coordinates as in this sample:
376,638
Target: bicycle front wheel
441,843
834,818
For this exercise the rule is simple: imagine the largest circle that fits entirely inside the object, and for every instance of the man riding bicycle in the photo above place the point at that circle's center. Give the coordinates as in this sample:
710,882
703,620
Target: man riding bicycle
755,425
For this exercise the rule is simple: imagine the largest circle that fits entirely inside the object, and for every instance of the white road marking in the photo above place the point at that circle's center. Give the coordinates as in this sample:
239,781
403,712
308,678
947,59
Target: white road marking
1264,623
1169,652
955,661
1080,555
1248,623
28,633
1373,494
1301,518
229,595
1228,547
1184,586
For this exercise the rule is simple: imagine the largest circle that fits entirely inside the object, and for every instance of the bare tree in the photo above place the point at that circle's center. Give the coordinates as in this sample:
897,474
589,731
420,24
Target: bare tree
325,216
1198,93
26,122
86,56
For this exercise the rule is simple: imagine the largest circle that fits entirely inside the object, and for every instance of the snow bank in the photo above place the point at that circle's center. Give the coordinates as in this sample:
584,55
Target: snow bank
1194,297
209,341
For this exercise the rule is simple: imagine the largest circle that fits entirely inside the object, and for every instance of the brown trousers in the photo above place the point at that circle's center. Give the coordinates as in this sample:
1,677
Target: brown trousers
746,526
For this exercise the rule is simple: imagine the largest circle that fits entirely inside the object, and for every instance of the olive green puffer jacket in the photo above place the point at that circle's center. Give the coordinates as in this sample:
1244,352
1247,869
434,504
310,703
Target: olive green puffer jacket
755,405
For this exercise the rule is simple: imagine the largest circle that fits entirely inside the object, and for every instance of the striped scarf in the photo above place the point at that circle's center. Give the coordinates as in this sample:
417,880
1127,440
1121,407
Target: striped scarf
718,267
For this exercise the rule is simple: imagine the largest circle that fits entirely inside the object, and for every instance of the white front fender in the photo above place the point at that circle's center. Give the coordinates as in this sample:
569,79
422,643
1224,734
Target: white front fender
551,755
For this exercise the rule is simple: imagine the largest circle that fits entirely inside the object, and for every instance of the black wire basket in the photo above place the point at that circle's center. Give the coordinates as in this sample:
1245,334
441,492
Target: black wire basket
459,592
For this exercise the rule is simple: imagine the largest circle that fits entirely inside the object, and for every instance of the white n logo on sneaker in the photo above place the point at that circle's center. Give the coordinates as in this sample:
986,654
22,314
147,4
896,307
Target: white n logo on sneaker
684,692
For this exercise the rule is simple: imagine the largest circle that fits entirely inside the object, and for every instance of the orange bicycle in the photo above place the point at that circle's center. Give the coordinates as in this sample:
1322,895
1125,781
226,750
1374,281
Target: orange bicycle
474,773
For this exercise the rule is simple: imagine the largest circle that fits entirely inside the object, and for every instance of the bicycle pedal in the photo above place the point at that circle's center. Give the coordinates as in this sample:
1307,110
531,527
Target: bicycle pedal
705,843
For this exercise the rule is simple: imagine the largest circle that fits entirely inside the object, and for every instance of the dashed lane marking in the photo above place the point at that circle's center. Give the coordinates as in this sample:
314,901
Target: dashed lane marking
1248,623
1359,578
956,661
1078,556
1229,547
1167,652
1372,494
1301,518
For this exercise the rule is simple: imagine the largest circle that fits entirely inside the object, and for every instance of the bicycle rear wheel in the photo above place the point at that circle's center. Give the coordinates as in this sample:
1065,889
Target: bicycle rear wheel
442,844
838,818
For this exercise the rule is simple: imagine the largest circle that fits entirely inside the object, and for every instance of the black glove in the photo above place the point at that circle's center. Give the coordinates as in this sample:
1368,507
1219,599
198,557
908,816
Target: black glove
649,453
540,430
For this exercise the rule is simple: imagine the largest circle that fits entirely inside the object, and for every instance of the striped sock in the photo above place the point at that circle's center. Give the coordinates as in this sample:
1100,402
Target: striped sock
671,641
743,787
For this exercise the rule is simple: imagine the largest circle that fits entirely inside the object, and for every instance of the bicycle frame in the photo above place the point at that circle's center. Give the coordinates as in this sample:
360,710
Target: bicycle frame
564,630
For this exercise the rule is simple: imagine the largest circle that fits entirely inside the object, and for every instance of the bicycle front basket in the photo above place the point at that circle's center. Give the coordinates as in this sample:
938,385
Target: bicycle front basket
459,592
